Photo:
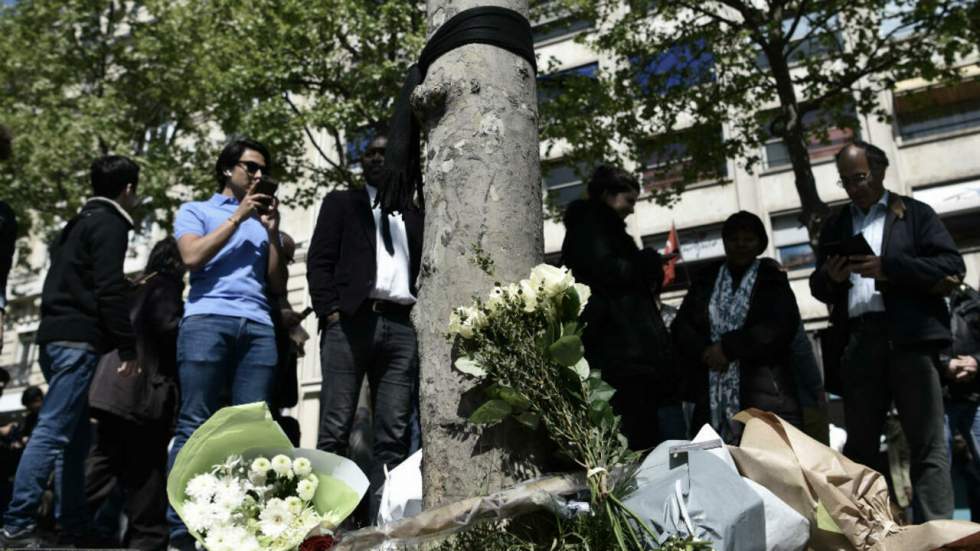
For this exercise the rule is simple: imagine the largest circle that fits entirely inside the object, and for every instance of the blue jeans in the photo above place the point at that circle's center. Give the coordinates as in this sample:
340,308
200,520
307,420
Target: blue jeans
62,432
221,361
962,417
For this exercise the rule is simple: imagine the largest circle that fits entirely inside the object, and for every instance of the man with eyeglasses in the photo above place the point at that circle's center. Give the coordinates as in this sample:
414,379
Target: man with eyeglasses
226,347
891,304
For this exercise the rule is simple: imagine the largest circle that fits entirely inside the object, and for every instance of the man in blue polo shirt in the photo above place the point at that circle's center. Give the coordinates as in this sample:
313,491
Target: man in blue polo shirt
226,348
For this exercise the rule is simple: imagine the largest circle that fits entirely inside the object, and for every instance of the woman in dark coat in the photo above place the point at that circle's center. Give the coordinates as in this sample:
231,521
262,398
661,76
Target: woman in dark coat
625,336
735,331
136,414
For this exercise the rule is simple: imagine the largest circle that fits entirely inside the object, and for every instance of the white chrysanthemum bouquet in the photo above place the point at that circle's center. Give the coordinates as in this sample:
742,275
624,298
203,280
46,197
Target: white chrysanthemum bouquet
242,506
233,497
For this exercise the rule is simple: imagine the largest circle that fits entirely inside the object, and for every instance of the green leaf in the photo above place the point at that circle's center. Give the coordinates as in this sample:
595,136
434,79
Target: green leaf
469,366
513,398
567,350
528,419
599,390
581,368
570,304
493,411
571,328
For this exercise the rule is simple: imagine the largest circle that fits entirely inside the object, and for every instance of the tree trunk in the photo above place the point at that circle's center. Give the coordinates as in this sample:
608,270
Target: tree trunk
814,210
483,202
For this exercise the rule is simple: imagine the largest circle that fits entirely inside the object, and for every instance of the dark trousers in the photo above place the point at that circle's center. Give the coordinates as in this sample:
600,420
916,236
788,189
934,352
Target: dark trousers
384,348
877,372
133,456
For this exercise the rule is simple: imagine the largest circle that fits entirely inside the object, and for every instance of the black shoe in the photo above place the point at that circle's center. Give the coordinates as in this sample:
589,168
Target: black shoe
19,539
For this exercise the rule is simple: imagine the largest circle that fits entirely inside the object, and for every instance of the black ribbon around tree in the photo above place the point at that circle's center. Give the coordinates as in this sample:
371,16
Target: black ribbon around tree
491,25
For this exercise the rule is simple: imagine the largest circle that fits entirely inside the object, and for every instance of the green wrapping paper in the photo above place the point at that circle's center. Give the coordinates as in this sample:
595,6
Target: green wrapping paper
249,430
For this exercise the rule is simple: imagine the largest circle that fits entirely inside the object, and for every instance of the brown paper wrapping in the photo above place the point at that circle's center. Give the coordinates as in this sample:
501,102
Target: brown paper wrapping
845,502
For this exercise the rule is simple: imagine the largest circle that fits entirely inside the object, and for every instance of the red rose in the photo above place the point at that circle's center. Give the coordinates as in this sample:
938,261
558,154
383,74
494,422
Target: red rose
318,543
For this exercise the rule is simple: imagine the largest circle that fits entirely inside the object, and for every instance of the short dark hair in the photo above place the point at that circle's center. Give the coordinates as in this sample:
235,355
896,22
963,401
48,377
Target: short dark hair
877,160
745,220
232,152
30,394
112,173
611,179
165,258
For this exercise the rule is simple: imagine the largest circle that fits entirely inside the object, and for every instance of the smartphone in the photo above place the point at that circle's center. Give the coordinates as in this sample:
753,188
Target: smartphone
852,246
266,186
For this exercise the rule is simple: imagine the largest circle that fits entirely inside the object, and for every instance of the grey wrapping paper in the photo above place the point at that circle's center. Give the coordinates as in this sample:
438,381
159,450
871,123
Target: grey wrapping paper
696,493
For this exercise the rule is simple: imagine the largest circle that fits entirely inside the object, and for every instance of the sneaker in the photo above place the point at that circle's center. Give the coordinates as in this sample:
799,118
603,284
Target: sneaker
26,538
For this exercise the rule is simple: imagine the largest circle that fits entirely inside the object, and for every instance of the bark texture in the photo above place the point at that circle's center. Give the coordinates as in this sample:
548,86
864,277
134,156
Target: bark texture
483,200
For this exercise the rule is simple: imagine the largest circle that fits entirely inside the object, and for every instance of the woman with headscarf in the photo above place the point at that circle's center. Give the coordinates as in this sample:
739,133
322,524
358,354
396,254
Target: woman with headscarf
625,336
735,330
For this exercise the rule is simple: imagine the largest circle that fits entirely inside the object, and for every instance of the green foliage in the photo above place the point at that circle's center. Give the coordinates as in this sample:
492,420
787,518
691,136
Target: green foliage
166,83
567,350
491,412
733,58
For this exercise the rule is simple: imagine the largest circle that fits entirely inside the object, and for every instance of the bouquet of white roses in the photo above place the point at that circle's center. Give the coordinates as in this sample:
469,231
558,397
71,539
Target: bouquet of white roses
239,485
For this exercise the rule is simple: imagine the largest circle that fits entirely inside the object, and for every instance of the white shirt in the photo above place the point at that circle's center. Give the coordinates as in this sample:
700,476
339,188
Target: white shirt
393,278
862,296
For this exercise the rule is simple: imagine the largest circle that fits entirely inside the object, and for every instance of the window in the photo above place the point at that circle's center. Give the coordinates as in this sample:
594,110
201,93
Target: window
839,127
701,248
683,65
938,110
551,21
357,143
550,87
807,42
667,160
26,358
896,20
563,183
792,242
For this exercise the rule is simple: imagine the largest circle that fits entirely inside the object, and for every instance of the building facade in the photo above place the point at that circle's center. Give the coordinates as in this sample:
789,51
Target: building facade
933,144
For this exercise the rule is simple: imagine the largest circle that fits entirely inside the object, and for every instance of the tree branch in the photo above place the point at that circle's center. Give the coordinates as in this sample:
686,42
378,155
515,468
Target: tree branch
309,133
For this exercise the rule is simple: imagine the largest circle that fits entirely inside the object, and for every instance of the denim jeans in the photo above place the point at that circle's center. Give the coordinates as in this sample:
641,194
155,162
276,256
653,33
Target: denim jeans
62,431
384,348
221,361
962,417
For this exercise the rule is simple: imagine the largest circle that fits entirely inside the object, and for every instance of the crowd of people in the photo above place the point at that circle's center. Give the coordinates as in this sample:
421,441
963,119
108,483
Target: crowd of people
134,366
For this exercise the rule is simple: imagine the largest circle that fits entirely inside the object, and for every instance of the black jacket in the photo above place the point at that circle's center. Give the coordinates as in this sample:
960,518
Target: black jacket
341,265
965,328
156,309
921,262
85,296
8,237
624,332
763,346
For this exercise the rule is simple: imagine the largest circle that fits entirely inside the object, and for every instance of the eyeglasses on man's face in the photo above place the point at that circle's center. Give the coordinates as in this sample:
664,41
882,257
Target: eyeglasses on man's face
252,167
854,180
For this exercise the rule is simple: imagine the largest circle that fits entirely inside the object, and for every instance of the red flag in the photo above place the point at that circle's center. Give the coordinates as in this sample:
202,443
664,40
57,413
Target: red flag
673,246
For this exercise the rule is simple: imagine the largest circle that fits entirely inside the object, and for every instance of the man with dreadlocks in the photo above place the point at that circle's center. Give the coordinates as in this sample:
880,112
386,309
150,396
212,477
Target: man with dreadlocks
362,266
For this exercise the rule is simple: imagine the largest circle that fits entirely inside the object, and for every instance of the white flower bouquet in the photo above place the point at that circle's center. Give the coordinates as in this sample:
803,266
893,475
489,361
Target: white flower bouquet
239,485
523,345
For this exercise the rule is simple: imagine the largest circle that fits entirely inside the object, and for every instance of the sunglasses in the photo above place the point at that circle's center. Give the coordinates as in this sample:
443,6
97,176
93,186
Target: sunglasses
251,168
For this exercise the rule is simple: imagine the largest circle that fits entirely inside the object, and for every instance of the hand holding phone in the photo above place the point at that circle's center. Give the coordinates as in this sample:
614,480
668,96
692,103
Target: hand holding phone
267,187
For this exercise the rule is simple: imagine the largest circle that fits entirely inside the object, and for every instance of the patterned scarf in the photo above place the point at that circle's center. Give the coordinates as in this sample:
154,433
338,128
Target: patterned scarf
727,311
